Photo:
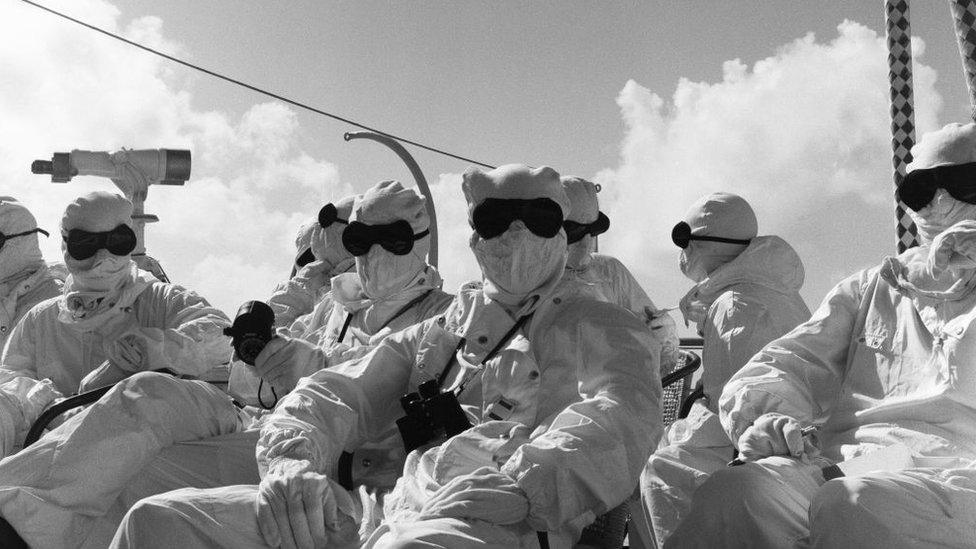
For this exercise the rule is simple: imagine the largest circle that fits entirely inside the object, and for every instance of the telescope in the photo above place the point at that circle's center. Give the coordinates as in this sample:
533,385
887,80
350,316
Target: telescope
132,172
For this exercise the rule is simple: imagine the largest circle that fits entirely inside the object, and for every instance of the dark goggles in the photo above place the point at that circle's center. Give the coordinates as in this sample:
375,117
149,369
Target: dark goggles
396,238
83,244
681,236
329,215
5,237
576,231
306,258
918,187
493,216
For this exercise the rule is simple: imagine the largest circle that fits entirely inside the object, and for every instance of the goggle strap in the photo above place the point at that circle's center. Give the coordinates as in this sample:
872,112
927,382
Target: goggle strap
744,241
25,233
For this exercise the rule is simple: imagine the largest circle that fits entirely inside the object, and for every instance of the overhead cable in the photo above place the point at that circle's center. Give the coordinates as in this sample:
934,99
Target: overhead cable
255,88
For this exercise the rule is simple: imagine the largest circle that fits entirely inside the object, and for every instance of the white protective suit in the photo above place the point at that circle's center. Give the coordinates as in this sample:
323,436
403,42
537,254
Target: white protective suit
564,412
608,278
25,279
887,358
298,295
148,325
153,433
744,303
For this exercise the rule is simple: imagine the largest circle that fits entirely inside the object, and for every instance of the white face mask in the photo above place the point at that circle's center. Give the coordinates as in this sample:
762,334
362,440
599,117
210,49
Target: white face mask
327,248
102,273
383,273
580,253
692,266
940,214
518,262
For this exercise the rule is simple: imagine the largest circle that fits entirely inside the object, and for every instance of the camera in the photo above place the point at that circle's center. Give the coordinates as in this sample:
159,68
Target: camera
431,415
253,328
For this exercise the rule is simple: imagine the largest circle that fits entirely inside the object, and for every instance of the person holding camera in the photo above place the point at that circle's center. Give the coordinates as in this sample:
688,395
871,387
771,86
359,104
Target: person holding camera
554,383
153,432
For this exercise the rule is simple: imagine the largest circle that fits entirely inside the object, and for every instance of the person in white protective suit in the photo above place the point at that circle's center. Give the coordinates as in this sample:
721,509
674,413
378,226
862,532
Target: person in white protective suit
111,321
746,294
555,383
604,274
887,362
25,279
320,256
152,433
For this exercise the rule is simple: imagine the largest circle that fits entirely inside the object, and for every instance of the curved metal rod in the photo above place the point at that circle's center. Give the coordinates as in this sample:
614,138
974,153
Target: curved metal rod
418,176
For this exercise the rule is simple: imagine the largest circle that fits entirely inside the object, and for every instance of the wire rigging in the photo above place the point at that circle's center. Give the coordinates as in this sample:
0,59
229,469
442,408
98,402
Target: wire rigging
255,88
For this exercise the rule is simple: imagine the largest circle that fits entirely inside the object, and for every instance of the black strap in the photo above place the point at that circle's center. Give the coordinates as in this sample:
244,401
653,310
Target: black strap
345,470
345,326
494,351
543,539
273,393
406,308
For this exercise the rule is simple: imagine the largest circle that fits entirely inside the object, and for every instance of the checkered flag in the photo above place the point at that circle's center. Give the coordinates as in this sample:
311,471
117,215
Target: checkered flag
899,34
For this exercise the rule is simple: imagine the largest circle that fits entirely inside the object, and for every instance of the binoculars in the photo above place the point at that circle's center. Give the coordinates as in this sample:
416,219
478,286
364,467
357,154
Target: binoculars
431,415
253,328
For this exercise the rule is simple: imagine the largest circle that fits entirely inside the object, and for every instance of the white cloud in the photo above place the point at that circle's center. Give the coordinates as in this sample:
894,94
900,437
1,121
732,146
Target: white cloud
229,232
803,135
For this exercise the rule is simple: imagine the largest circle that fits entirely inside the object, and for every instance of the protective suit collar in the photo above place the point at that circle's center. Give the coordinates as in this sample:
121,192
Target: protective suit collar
768,261
348,292
88,310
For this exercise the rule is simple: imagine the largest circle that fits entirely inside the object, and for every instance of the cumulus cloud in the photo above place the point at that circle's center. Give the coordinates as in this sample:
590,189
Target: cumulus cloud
803,135
229,232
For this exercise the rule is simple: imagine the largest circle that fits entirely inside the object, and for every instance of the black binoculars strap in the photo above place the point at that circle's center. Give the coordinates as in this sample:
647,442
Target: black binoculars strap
261,399
405,308
494,351
345,327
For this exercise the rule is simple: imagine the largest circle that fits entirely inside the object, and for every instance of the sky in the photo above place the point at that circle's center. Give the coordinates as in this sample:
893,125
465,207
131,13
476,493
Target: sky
784,103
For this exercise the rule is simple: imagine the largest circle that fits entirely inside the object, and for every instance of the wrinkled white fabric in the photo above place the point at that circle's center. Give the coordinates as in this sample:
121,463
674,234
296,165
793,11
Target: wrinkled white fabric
744,304
607,279
940,214
37,286
323,325
178,329
519,266
574,348
175,434
877,364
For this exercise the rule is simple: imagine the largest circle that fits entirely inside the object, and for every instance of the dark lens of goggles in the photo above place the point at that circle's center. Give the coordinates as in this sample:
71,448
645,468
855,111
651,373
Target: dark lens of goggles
83,244
306,258
576,231
5,237
396,238
493,216
681,236
329,215
918,188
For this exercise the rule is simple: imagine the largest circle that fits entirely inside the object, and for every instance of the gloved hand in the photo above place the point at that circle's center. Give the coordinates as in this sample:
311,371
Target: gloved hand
772,435
299,508
486,494
284,360
129,353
